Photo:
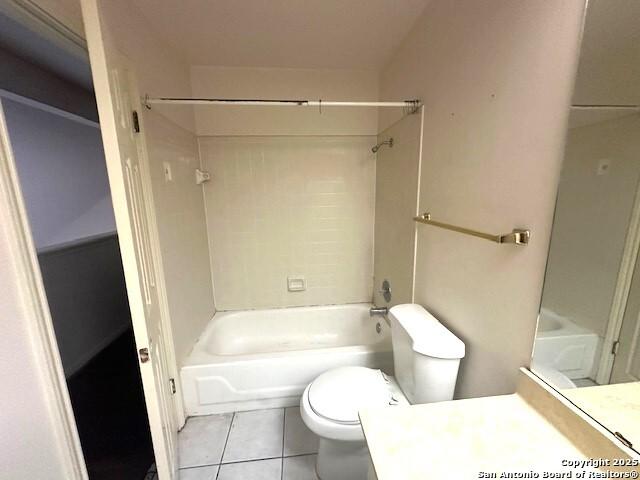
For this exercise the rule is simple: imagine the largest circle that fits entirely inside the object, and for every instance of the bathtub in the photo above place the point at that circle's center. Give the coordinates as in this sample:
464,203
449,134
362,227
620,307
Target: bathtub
565,346
246,360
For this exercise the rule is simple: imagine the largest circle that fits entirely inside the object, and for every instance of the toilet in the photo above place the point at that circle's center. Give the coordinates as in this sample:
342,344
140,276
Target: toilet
426,359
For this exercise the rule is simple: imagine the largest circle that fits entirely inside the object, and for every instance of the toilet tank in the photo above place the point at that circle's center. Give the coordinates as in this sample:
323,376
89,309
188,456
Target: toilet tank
426,355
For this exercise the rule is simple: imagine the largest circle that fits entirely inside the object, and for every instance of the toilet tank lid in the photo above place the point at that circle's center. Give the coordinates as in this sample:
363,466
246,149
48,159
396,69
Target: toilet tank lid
428,335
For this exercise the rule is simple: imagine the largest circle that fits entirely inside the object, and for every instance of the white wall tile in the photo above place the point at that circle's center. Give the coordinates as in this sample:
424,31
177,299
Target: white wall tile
290,206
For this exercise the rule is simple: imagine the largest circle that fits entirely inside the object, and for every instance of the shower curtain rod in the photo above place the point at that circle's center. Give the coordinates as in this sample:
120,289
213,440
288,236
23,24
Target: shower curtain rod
148,101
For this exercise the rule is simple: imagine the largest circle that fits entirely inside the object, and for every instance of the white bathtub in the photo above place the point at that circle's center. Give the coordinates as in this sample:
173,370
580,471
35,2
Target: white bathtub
565,346
265,358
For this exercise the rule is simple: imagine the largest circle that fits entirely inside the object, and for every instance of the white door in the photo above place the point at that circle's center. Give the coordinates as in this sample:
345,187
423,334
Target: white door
115,89
626,363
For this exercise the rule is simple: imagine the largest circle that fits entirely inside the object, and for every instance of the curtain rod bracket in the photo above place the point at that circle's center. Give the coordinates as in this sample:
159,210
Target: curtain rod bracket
413,106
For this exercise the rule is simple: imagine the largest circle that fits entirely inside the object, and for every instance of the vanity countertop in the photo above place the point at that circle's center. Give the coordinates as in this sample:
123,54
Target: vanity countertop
616,406
462,438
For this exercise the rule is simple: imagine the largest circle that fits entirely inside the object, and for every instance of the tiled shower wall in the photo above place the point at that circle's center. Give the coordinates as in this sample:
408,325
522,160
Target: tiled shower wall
281,207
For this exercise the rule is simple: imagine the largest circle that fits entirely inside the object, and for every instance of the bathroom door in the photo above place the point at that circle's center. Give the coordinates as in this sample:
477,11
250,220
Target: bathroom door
116,95
626,364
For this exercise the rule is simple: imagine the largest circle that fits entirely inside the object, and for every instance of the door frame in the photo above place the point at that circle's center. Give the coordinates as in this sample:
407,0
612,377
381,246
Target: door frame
31,286
621,293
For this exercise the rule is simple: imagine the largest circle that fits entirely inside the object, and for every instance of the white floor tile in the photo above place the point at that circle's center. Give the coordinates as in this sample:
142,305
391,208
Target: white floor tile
199,473
255,435
201,441
298,439
299,468
584,382
256,470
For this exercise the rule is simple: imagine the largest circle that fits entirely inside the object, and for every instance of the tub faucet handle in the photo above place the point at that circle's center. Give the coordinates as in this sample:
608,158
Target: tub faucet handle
386,291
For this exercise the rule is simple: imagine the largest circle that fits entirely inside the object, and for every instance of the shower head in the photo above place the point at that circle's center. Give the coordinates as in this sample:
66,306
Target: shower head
389,142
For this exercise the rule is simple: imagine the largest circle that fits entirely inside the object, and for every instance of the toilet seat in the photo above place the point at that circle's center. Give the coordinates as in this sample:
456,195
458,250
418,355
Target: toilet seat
330,400
338,394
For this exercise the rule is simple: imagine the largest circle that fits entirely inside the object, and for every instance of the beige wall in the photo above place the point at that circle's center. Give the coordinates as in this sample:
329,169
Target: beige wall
609,69
287,206
160,70
591,220
397,170
496,79
285,83
65,11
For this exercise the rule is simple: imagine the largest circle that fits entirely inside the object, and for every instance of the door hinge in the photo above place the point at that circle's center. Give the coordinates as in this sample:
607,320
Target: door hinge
136,122
615,347
172,384
143,353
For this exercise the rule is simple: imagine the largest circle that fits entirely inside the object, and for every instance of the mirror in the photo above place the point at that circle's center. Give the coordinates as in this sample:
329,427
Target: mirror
588,339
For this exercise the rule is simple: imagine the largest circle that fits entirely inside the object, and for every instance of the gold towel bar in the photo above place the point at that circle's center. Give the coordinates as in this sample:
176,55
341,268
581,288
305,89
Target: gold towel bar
517,236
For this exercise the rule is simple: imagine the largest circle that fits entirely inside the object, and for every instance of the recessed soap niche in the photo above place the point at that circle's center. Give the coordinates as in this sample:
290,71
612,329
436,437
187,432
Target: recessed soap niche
296,284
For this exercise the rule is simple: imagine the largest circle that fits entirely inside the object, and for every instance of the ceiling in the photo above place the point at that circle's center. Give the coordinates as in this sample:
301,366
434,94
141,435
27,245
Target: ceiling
58,46
609,67
359,34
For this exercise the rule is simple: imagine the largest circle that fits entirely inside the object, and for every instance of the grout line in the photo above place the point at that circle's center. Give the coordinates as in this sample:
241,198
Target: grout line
300,455
284,426
282,456
246,461
199,466
225,443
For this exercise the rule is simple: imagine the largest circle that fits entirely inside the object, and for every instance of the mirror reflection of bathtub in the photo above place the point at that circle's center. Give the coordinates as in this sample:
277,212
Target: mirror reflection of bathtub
564,346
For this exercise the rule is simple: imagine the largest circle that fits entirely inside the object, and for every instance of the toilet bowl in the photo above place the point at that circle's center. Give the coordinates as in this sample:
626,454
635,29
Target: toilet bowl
426,360
329,407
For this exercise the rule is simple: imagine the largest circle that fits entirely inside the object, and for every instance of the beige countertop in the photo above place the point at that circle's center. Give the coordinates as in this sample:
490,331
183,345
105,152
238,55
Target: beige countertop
615,406
462,438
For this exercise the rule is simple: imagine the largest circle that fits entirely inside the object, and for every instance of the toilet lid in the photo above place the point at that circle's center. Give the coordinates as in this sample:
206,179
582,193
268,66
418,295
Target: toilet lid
340,393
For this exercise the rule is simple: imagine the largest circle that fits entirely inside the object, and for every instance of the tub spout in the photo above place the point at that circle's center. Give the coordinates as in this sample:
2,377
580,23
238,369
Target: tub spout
378,311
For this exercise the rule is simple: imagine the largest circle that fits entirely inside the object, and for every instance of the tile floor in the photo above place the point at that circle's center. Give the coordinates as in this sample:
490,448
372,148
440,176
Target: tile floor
272,444
584,382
